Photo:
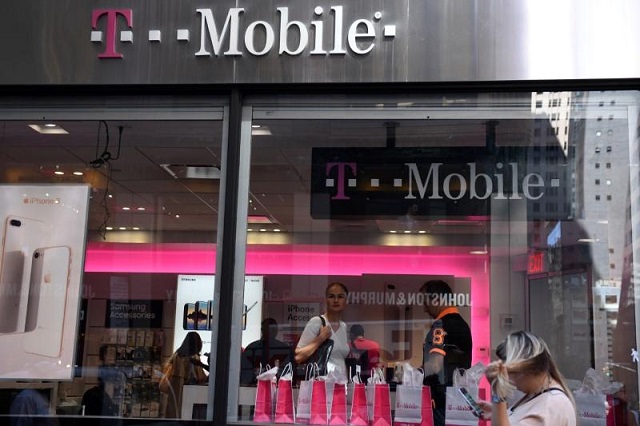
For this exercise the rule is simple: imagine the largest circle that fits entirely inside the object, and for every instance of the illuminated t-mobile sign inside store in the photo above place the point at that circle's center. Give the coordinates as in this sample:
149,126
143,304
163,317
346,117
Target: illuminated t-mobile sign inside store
422,181
258,38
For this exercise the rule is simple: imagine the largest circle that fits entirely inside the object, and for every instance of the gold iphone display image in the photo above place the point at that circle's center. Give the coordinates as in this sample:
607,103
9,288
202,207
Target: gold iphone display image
21,236
47,300
10,290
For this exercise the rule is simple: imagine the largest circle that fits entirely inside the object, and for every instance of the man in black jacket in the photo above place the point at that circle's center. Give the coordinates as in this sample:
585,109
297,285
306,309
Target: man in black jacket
447,346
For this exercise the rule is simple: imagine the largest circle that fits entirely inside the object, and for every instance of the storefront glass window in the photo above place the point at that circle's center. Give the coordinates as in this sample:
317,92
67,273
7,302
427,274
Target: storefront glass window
481,191
109,224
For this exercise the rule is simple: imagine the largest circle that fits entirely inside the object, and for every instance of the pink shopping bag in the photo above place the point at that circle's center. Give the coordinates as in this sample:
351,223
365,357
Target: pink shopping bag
338,407
359,414
381,404
284,402
264,401
427,407
319,411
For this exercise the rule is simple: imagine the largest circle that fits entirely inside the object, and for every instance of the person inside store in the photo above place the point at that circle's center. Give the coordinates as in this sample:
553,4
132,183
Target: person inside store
314,334
31,408
96,400
525,363
447,346
363,352
184,367
268,351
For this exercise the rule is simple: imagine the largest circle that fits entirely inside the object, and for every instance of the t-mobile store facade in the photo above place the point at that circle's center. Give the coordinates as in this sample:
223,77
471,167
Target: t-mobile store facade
177,166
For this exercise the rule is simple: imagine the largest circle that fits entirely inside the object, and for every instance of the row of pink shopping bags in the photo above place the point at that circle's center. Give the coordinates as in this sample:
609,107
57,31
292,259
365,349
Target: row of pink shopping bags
322,402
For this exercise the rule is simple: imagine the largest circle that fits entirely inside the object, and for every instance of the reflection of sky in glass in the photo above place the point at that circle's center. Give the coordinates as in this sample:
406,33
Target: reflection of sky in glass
580,39
554,236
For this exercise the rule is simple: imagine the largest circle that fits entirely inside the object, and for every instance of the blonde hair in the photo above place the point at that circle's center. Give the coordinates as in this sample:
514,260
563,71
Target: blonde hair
525,353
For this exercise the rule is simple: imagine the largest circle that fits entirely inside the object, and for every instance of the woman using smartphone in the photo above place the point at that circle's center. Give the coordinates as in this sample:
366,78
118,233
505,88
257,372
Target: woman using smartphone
527,365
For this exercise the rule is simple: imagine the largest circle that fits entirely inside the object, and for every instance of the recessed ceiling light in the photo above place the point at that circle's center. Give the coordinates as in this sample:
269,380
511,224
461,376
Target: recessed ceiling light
126,208
263,230
192,171
110,196
50,125
255,126
58,172
78,173
393,232
276,230
109,228
262,131
122,228
135,228
478,252
140,209
177,216
45,129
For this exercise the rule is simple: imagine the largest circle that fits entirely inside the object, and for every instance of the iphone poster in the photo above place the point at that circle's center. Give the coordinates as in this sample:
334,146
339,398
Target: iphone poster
43,229
194,304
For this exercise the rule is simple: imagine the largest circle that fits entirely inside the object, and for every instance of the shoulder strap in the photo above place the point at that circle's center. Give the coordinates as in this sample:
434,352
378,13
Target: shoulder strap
554,388
324,323
522,400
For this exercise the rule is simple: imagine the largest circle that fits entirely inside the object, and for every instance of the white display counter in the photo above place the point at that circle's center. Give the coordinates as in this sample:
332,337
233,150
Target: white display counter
194,394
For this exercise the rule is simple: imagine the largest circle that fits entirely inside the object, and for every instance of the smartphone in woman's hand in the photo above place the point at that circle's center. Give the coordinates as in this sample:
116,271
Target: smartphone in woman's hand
475,408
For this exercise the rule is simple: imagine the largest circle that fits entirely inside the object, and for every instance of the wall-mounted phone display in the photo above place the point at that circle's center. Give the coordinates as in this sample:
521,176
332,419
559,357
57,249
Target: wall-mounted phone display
197,316
189,316
203,309
195,310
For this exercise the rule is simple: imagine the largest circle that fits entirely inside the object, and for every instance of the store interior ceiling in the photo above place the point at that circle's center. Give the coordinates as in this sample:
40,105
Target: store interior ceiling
160,178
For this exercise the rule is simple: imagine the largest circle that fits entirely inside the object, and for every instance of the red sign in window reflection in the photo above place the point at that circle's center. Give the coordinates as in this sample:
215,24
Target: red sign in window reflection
536,262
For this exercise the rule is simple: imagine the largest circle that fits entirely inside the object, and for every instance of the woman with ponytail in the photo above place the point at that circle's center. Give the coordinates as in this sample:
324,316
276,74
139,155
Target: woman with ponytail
527,365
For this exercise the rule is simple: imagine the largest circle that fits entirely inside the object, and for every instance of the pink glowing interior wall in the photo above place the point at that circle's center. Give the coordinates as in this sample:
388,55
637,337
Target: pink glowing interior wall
311,260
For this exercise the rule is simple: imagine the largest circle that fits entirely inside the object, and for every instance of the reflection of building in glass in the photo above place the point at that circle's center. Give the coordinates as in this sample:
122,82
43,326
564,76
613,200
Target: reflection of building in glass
602,180
583,139
551,157
601,131
625,338
557,107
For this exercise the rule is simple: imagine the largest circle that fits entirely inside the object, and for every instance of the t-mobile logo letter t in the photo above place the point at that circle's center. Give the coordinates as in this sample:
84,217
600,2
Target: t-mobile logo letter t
341,178
112,27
